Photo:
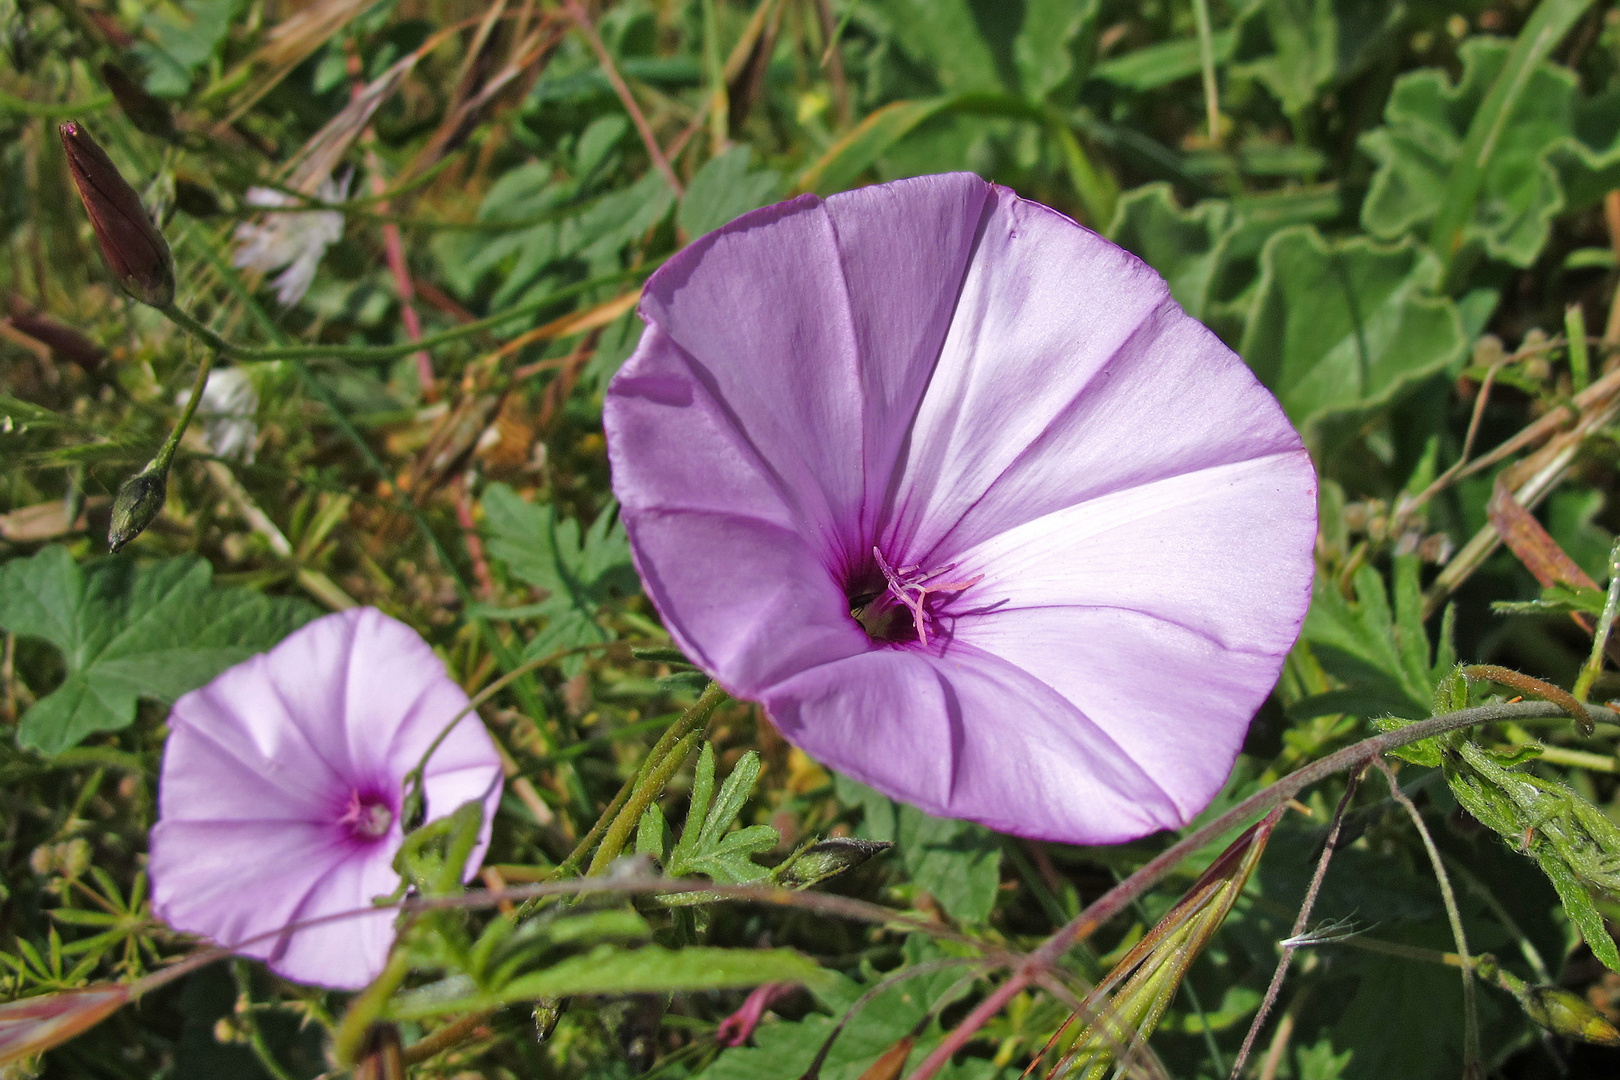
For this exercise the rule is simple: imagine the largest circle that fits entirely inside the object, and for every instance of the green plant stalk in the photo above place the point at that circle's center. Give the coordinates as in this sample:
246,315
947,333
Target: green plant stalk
1600,633
714,72
1580,367
662,761
1547,26
395,351
367,1006
1471,1054
1206,62
165,454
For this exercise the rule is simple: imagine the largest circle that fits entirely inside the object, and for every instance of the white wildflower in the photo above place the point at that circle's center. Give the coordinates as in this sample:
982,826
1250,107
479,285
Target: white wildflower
226,412
296,240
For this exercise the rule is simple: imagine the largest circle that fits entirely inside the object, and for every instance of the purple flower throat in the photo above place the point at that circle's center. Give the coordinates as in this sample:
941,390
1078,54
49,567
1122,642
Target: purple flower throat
368,817
895,608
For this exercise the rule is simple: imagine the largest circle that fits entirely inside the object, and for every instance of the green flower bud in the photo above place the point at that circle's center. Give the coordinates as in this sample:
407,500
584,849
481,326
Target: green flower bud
131,245
150,115
827,859
138,502
1569,1014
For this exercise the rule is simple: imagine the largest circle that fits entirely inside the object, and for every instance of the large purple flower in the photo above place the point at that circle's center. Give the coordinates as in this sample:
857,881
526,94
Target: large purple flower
281,789
979,514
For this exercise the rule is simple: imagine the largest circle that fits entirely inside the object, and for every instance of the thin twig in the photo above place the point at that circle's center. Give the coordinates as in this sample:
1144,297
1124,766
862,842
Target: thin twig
1300,922
1120,896
1471,1056
577,12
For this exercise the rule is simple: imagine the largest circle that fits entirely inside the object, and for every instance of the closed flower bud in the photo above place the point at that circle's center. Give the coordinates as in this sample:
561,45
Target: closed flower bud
65,342
131,245
829,858
138,502
150,114
1568,1014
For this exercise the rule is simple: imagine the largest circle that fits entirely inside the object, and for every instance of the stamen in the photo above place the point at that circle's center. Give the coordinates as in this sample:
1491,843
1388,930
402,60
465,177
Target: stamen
368,817
911,588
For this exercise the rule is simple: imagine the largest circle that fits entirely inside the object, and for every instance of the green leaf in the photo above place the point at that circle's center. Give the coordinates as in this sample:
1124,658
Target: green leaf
1573,842
1299,48
1504,201
957,862
1382,656
1500,123
1163,63
578,574
724,189
608,969
707,846
1344,326
1186,246
128,632
1053,43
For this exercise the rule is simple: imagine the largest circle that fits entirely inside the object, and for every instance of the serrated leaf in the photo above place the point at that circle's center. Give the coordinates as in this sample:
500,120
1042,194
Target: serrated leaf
1575,845
1344,326
706,845
578,574
128,632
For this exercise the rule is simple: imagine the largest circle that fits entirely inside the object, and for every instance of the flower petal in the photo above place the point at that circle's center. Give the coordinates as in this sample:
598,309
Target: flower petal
202,870
748,600
1045,310
1224,552
811,329
757,310
968,735
344,953
1194,590
1172,400
236,749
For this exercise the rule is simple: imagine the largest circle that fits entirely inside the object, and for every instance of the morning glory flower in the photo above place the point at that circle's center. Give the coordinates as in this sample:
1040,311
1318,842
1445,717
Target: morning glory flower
294,239
281,787
955,489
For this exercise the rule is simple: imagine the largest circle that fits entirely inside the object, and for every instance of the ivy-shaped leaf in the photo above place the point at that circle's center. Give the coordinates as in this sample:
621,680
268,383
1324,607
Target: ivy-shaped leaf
1299,48
1426,122
128,632
1344,326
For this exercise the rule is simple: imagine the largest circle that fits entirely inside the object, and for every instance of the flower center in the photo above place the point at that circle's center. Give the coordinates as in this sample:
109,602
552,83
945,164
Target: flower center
899,611
368,816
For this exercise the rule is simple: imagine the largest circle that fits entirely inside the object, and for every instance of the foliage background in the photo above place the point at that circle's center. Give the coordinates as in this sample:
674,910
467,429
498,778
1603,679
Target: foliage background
1389,210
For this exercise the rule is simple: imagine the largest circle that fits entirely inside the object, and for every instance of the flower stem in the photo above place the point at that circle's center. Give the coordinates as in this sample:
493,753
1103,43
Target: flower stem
391,352
1600,633
165,454
662,761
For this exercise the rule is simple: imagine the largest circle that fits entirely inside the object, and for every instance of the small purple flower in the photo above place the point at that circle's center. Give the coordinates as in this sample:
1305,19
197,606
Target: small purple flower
281,790
979,514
